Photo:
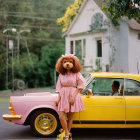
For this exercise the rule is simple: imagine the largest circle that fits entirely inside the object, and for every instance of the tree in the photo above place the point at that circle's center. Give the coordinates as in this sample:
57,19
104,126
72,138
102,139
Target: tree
44,41
115,9
69,15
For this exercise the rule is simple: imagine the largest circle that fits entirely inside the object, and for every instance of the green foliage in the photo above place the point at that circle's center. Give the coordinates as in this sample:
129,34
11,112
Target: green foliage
98,66
44,42
115,9
97,22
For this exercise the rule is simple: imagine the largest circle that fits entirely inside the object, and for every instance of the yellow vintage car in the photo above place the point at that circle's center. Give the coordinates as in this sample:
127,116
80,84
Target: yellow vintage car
102,110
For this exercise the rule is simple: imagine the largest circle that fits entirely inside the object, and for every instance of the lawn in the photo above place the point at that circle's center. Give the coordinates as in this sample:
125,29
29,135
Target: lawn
5,91
4,100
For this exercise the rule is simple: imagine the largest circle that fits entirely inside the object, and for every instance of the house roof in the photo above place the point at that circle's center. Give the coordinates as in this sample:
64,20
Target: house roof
98,2
133,24
75,18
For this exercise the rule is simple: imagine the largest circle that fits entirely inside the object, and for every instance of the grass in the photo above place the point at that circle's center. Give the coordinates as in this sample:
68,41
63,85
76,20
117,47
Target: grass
38,88
4,100
5,91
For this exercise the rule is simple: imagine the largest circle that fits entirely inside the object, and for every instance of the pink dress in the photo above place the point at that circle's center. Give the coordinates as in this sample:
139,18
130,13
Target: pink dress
72,80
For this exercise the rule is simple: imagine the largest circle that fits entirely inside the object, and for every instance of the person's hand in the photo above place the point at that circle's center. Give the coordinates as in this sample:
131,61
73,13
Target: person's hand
72,101
79,90
57,102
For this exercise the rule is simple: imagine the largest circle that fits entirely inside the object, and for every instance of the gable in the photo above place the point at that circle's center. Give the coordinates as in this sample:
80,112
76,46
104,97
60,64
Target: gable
84,18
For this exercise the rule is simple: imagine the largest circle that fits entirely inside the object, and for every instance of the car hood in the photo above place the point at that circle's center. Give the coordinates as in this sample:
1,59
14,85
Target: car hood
35,97
39,94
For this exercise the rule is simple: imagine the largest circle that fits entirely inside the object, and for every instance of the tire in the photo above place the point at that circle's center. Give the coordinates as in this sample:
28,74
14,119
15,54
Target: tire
44,123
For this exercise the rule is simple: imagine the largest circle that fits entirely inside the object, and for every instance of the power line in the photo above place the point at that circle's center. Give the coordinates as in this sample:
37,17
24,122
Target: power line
24,0
15,1
30,26
40,4
35,38
39,18
16,13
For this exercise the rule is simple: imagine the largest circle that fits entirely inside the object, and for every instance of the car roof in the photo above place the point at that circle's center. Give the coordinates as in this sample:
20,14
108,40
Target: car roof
116,75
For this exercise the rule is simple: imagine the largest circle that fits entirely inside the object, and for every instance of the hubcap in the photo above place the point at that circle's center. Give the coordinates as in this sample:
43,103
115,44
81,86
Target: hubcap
45,123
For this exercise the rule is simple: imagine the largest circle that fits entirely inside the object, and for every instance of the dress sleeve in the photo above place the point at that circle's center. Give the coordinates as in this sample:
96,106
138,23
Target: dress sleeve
81,81
58,84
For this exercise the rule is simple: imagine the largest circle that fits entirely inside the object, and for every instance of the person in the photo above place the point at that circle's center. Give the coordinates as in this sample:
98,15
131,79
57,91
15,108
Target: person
69,84
121,90
115,88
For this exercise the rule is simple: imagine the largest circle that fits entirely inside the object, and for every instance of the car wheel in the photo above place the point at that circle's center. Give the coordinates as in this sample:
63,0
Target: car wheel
44,123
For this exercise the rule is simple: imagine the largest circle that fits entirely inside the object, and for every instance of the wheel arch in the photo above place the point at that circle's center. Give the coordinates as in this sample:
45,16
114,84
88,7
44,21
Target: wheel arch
27,120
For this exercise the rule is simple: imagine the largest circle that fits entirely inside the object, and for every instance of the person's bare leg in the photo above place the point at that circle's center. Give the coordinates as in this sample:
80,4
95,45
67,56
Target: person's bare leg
63,122
70,120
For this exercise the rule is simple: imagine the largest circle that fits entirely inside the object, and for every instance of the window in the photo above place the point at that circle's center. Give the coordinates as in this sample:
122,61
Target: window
138,36
107,68
99,48
78,49
132,88
103,86
84,48
71,47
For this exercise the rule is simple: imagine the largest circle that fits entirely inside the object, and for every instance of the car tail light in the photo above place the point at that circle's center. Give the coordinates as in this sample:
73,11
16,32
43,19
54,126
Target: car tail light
12,109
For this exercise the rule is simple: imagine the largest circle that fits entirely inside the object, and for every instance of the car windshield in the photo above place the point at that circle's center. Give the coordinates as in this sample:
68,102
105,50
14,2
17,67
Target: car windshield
88,78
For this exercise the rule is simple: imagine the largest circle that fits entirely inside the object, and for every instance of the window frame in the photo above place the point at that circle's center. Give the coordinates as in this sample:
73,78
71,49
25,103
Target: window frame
97,47
107,78
125,84
138,36
71,46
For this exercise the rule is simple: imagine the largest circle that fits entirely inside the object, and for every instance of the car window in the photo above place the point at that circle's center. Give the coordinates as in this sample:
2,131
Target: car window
103,86
88,78
132,88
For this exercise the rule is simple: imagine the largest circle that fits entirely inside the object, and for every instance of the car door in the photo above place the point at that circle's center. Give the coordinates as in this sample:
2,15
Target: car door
132,97
102,107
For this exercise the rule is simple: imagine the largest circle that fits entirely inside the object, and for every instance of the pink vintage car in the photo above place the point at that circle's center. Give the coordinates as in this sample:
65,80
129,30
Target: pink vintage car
37,110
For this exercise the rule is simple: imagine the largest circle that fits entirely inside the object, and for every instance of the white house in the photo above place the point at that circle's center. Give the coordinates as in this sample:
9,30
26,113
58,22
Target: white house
100,45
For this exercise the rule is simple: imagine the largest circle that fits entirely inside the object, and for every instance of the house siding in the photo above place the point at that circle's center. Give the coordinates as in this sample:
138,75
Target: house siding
120,45
122,53
134,51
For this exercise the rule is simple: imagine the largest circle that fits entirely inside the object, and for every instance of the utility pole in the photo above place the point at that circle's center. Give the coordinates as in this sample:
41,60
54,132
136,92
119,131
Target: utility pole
11,47
7,62
18,46
18,42
7,48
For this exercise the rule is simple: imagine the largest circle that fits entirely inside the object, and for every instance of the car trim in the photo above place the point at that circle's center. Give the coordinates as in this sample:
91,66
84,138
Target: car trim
106,105
132,106
106,122
132,122
98,122
110,106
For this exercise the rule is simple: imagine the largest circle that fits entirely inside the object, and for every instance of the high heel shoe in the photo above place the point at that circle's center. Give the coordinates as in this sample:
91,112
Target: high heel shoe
61,135
66,138
70,136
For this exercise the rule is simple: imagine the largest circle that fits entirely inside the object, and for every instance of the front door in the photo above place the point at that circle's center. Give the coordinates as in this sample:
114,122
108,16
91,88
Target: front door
102,107
132,97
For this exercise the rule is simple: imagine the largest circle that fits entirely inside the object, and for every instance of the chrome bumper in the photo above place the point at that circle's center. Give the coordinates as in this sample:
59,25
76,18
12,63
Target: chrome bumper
9,118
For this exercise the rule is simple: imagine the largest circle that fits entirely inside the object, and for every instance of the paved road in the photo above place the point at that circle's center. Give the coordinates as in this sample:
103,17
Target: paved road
9,131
